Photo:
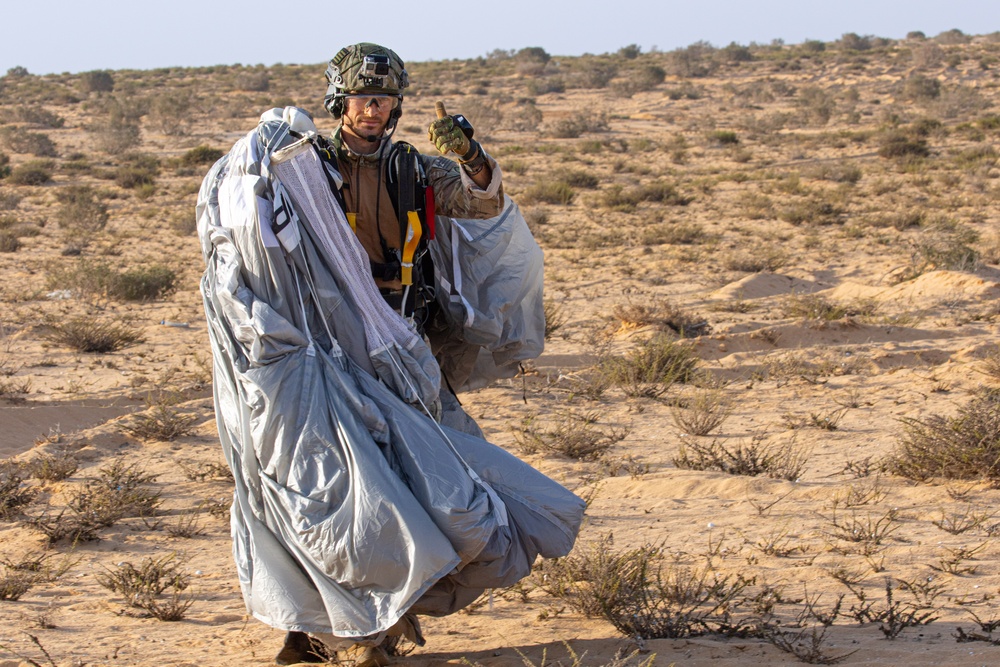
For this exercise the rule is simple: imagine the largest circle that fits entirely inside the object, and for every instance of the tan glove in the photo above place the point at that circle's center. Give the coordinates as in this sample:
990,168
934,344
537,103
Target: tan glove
447,136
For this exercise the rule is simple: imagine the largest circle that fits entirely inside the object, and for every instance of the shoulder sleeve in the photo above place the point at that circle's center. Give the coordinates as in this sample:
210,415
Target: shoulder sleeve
457,196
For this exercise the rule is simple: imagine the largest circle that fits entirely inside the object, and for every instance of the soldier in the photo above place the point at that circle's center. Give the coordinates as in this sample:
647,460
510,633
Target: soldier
365,93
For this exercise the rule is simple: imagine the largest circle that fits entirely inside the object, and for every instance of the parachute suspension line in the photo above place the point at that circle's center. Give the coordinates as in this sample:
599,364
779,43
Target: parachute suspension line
312,290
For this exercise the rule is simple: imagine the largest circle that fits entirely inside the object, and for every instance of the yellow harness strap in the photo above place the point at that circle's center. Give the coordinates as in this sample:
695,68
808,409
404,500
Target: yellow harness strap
413,232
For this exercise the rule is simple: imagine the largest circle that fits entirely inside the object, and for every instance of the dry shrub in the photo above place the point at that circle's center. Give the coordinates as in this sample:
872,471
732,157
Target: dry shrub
649,369
119,130
959,102
643,595
162,421
555,318
523,117
673,233
756,259
23,141
139,169
920,88
966,446
145,283
701,413
723,137
8,200
9,241
587,579
549,192
752,459
38,116
577,178
14,389
991,364
895,615
627,200
901,144
119,492
200,155
811,210
812,307
573,435
99,280
838,172
88,279
258,82
187,525
90,334
807,637
663,315
201,471
34,172
52,468
80,210
941,249
170,114
14,494
639,79
115,135
97,81
575,125
143,586
594,75
486,116
15,583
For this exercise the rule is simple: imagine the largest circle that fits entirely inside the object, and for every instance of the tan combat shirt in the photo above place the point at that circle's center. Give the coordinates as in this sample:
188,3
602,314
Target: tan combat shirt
366,195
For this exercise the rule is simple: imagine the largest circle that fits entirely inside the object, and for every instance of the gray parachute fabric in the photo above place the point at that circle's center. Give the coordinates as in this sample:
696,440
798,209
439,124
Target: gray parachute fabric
352,505
489,283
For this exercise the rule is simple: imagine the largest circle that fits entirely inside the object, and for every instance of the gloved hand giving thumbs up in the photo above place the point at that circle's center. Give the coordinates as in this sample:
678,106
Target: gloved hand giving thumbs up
454,134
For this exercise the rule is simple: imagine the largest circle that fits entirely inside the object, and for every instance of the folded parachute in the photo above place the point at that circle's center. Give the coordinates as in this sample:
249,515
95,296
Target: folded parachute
353,505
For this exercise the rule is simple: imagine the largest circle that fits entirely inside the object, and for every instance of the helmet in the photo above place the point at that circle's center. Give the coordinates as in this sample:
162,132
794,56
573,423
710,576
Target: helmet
364,68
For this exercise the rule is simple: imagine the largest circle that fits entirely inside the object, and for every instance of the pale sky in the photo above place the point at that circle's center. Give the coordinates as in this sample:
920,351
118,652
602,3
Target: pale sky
49,36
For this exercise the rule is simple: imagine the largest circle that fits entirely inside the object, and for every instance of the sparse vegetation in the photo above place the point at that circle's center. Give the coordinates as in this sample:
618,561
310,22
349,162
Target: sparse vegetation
161,421
829,206
574,435
753,458
651,368
701,412
121,490
628,199
143,586
15,495
92,334
36,172
81,213
966,446
52,468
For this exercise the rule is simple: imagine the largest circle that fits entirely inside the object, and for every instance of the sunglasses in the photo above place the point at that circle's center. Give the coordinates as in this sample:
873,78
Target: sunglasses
380,101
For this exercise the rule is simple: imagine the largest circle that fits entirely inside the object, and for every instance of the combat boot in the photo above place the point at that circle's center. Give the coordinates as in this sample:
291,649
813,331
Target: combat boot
361,655
300,648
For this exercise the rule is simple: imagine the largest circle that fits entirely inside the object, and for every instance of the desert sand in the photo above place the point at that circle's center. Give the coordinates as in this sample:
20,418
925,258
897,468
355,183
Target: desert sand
822,279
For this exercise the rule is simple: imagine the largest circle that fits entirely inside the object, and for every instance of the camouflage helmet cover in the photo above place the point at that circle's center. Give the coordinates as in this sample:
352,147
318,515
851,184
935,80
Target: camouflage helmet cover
363,68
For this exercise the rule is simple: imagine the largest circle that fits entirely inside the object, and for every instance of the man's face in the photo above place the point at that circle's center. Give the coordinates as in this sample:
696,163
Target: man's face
366,116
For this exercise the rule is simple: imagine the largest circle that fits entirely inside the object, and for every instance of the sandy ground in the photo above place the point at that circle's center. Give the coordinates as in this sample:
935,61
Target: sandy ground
832,389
